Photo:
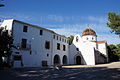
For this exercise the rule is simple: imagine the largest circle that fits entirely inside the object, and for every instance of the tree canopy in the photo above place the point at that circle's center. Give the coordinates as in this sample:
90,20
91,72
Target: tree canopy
5,44
114,52
114,22
70,38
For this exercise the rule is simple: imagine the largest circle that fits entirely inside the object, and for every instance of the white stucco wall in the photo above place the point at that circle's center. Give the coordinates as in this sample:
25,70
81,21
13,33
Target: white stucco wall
89,38
37,42
88,54
60,52
7,24
86,48
72,53
33,57
102,48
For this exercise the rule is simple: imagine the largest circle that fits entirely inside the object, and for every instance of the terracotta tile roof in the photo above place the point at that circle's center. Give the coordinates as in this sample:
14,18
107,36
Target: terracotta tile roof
88,31
104,41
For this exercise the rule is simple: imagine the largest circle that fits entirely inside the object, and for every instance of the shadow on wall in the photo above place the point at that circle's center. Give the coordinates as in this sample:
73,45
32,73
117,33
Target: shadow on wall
76,53
100,57
88,73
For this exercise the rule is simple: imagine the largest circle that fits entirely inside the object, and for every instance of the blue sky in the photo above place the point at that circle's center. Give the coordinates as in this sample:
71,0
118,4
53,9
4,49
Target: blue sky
66,17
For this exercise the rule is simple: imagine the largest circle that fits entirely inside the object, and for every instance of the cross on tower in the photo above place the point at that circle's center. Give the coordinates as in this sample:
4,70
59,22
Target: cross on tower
88,25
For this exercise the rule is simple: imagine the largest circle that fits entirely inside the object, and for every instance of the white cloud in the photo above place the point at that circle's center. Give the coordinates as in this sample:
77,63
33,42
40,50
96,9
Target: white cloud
98,19
111,38
64,26
78,28
102,31
60,18
44,19
67,29
55,18
14,16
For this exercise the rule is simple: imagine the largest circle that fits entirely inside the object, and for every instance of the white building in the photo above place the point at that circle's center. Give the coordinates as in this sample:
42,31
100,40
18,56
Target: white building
87,50
37,46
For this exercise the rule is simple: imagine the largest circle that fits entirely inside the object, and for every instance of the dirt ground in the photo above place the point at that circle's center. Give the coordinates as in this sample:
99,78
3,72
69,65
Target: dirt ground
109,71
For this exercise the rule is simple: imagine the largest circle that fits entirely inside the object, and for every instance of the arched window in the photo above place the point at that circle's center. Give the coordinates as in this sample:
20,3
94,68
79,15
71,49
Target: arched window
77,39
77,49
92,38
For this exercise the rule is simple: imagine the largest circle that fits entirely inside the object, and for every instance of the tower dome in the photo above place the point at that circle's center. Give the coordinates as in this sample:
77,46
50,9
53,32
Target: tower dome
88,31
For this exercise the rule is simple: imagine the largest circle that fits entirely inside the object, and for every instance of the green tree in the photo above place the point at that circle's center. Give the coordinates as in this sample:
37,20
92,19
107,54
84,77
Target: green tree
114,22
70,38
112,47
118,45
118,50
5,44
114,52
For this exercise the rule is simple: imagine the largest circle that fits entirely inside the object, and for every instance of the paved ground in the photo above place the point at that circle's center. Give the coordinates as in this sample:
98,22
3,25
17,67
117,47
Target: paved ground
99,72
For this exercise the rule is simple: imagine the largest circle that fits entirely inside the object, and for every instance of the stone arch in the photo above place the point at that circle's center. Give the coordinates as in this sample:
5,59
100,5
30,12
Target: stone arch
56,60
78,59
64,60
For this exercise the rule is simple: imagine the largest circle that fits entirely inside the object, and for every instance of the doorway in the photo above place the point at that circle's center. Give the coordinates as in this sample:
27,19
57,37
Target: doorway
64,60
56,60
78,60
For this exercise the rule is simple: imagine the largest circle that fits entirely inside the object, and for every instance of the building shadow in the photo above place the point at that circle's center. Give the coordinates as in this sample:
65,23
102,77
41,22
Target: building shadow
86,73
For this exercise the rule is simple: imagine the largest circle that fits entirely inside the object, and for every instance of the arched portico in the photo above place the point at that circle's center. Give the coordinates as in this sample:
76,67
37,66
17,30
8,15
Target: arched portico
64,60
56,60
78,59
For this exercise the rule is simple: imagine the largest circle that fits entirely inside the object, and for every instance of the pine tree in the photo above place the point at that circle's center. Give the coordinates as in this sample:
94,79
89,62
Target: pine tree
114,22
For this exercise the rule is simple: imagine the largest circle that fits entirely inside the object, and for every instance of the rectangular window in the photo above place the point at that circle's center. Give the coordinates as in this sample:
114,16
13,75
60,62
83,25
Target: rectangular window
30,52
17,53
60,38
53,36
58,46
25,28
57,37
17,57
41,32
64,47
24,43
47,44
44,63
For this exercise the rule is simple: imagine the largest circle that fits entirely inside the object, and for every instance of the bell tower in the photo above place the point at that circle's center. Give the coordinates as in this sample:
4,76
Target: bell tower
89,35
